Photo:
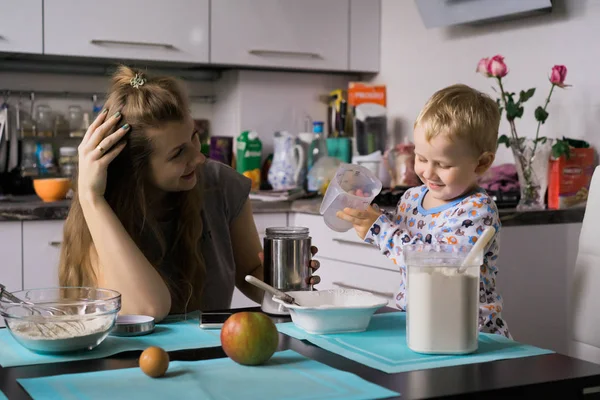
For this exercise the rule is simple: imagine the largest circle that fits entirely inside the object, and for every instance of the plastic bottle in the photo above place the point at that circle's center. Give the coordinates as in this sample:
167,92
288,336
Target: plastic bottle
249,156
318,149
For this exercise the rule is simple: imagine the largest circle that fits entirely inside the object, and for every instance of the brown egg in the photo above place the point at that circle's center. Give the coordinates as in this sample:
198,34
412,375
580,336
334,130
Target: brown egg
154,362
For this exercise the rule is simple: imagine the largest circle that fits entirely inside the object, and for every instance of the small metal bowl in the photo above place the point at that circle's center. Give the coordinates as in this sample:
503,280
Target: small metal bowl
133,325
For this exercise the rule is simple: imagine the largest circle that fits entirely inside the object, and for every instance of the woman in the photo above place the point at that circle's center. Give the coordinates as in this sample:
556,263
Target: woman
151,217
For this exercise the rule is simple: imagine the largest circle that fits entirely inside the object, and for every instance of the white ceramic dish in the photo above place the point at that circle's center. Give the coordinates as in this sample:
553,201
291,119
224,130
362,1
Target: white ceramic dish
333,311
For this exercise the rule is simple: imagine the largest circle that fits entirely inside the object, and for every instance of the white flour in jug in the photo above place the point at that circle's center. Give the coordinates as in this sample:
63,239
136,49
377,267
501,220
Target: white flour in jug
442,309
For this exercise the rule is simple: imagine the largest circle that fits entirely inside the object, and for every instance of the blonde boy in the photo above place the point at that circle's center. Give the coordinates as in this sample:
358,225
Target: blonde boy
455,139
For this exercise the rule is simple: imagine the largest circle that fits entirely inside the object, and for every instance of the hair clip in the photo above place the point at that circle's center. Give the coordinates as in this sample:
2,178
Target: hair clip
137,81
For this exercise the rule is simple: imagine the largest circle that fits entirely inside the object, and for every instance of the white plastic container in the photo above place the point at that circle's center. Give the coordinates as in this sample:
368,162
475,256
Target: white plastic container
442,313
333,311
349,179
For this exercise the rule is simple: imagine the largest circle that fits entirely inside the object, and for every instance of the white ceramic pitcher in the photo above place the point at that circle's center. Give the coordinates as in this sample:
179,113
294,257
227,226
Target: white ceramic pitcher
287,164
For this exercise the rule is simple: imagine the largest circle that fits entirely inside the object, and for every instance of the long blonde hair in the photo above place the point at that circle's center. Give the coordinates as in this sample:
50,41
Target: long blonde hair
158,101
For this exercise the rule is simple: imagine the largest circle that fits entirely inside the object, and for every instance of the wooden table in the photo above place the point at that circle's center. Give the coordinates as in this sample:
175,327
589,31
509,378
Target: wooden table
553,375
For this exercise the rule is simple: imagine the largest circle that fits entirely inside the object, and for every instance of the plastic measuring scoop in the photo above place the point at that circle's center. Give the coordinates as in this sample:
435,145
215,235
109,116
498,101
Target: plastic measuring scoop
483,241
353,186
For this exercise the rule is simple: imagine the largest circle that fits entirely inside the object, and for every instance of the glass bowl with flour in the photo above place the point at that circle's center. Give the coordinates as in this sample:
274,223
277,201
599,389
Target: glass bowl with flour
442,314
63,319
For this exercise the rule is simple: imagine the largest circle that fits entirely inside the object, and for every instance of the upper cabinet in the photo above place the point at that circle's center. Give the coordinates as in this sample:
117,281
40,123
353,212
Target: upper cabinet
21,26
314,35
176,30
306,34
365,33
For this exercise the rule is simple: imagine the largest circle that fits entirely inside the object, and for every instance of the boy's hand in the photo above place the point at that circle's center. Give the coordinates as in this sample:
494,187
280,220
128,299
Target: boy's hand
362,220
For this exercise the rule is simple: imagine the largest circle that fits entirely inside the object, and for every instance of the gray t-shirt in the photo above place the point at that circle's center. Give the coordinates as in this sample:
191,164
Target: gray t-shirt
225,193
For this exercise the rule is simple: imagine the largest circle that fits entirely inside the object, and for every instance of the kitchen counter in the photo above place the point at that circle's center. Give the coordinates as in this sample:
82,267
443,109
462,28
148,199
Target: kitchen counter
32,208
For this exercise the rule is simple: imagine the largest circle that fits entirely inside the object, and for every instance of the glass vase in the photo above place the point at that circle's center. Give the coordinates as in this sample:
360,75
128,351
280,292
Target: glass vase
532,163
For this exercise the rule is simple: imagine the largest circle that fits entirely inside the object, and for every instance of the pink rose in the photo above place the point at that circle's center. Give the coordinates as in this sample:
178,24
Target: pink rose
558,75
496,67
482,67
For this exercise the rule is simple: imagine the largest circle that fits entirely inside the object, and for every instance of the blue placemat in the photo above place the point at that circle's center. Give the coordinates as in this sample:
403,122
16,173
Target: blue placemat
2,396
383,346
170,336
287,376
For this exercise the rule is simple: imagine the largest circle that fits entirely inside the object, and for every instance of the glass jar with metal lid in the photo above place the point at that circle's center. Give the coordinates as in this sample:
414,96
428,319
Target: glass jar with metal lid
67,160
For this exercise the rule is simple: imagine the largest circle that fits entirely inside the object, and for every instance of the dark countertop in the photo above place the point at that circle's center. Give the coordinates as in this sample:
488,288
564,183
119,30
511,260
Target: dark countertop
32,208
545,376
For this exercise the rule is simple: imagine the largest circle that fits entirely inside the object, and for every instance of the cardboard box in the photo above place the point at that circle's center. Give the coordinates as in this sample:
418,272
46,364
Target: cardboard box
569,179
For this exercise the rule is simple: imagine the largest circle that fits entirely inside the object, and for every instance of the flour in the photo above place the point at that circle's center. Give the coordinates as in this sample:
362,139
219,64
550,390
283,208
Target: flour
62,336
442,309
60,329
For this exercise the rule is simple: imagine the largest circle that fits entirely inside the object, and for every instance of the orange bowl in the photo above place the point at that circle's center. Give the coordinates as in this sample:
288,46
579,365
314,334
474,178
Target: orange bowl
52,189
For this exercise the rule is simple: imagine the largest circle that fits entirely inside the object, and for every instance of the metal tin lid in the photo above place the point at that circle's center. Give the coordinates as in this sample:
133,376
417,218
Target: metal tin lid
287,232
133,325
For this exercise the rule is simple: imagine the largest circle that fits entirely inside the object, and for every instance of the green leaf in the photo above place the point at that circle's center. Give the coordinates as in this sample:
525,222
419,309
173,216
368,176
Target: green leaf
513,110
541,115
504,140
520,112
542,140
524,96
560,148
578,144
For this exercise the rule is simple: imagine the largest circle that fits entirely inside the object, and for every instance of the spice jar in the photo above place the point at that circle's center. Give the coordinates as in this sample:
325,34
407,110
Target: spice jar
75,122
44,121
67,160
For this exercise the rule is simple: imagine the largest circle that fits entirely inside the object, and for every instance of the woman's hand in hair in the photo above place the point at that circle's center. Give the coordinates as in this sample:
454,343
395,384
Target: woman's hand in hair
100,145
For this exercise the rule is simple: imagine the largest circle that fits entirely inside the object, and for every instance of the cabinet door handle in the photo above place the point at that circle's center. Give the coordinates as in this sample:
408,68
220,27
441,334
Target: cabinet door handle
279,53
55,243
375,292
99,42
348,241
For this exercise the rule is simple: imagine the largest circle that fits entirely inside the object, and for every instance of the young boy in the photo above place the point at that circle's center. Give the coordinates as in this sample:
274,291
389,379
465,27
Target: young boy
455,139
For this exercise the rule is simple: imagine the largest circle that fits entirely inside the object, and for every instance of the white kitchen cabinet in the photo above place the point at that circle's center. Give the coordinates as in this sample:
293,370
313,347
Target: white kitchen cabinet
341,274
342,246
264,221
307,34
535,272
21,26
348,262
41,252
174,30
11,269
365,32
